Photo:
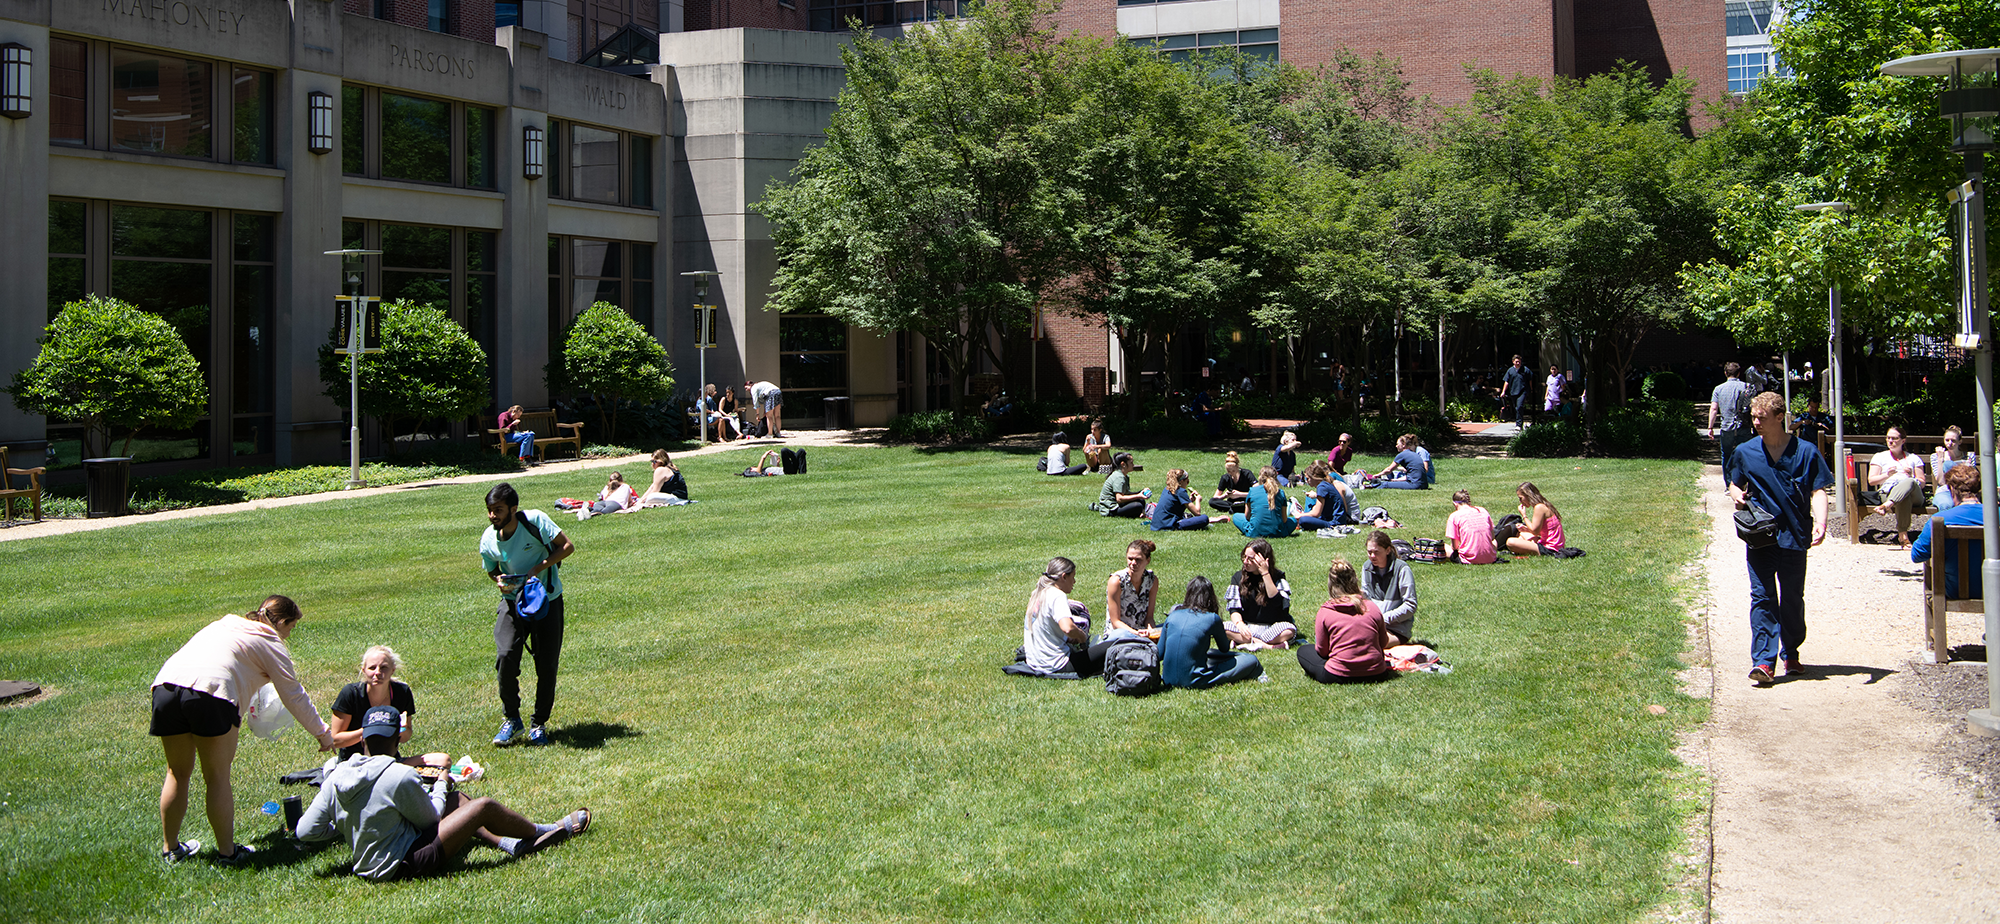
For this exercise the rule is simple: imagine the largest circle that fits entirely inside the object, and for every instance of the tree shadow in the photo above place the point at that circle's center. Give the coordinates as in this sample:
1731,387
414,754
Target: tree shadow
590,736
1825,671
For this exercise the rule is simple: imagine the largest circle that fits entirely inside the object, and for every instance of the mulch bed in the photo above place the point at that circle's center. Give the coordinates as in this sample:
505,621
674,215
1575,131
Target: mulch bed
1946,692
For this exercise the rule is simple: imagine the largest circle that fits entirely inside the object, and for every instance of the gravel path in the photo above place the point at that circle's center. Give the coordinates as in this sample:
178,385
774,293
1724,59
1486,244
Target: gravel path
1855,793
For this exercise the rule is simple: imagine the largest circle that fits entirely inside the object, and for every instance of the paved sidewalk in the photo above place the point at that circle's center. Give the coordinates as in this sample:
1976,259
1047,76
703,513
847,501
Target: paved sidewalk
1830,804
22,529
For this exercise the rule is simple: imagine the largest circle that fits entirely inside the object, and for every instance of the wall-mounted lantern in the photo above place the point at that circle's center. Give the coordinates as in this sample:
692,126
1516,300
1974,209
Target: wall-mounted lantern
319,122
533,152
14,73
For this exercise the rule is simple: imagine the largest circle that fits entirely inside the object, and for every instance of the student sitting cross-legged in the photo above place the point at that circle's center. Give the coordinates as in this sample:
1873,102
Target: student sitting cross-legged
1194,651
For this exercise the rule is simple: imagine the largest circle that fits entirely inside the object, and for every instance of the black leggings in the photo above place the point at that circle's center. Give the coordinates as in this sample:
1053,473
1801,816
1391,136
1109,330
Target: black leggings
1315,667
545,636
1132,509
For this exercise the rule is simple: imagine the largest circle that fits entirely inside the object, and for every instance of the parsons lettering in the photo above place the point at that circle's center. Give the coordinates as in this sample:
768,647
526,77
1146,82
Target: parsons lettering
201,17
439,63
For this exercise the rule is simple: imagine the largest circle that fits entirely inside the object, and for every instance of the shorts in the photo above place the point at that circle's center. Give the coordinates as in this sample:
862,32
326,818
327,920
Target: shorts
423,858
772,401
178,710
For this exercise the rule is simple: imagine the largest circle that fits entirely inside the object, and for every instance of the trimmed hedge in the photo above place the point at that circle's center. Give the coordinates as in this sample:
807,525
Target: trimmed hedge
936,427
1641,429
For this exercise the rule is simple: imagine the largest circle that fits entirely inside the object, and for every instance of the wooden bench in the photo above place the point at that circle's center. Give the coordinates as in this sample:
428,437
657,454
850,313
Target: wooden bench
1941,598
31,492
1856,481
548,432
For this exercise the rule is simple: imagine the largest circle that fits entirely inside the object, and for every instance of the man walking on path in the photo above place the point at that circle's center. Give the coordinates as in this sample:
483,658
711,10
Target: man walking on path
770,405
520,551
1514,388
1731,404
1779,472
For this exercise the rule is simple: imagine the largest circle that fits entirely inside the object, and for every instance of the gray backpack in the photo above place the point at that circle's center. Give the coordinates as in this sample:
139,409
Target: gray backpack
1132,668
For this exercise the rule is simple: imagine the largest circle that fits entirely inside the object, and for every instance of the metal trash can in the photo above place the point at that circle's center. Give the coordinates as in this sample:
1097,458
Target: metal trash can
836,414
107,486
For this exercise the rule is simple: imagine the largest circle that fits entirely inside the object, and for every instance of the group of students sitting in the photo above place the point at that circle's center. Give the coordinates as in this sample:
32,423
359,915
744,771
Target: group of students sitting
1204,642
667,488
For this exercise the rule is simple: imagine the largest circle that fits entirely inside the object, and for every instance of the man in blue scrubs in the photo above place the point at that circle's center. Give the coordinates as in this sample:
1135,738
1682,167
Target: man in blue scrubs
1789,479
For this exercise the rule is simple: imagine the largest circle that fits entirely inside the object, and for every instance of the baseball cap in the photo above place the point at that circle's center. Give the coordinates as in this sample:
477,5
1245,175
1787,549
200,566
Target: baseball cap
381,722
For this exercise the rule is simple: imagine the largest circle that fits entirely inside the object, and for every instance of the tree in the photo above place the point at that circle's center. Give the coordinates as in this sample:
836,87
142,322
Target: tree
108,364
610,357
932,205
428,368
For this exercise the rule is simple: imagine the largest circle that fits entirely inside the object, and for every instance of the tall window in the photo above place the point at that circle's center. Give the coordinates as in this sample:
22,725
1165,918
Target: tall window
812,356
586,270
209,274
600,165
1748,17
159,103
453,269
396,136
1748,69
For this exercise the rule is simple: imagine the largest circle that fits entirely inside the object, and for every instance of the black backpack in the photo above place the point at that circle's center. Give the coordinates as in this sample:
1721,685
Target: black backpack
1132,668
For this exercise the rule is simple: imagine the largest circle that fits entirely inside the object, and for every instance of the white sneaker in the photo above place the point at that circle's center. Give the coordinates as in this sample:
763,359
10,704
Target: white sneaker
582,514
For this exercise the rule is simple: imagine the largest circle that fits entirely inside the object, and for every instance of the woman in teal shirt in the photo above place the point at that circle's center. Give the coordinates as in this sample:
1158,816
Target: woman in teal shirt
1264,513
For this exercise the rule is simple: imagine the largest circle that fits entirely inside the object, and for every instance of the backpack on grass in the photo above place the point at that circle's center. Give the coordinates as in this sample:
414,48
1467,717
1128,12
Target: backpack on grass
1132,668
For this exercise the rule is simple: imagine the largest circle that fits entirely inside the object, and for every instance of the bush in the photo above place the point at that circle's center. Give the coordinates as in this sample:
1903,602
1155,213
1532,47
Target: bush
936,427
1471,409
1553,440
429,368
107,364
608,357
1664,386
1378,433
1171,431
1642,429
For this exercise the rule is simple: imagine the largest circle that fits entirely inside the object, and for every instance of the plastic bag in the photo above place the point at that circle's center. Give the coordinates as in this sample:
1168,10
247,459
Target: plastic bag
268,716
465,770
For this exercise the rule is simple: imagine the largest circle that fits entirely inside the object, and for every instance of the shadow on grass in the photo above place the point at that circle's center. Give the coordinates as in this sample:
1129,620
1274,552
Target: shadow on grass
1012,450
590,736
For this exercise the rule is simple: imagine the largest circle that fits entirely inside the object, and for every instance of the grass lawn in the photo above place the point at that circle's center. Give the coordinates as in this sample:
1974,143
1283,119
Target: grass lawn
784,703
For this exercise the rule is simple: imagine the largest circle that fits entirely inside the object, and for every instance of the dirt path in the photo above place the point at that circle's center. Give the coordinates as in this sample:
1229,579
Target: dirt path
1834,796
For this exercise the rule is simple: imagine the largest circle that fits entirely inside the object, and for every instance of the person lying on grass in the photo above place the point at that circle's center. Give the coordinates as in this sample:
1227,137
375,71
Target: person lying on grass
400,830
778,462
617,496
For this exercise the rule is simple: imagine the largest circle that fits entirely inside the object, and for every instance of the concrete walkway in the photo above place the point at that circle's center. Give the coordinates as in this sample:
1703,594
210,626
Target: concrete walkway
1829,801
26,529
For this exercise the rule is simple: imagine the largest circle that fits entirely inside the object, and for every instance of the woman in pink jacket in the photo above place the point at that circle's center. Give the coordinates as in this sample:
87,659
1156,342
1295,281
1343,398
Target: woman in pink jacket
199,698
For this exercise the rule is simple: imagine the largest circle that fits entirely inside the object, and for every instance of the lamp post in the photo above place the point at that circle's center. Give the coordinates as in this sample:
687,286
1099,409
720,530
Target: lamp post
1971,101
704,340
358,313
1833,357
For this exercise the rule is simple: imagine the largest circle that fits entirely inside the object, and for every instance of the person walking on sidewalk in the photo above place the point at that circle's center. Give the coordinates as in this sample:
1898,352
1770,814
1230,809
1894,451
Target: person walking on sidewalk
1730,403
1783,475
520,550
1514,389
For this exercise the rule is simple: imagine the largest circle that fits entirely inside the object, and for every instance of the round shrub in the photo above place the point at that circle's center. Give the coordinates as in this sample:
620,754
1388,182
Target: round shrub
105,363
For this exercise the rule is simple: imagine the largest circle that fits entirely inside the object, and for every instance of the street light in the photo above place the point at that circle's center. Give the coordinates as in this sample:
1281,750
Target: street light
704,340
358,314
1971,101
1833,357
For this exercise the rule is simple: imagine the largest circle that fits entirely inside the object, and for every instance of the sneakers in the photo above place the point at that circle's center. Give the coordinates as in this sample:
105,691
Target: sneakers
1794,669
181,851
538,735
509,730
240,857
1760,676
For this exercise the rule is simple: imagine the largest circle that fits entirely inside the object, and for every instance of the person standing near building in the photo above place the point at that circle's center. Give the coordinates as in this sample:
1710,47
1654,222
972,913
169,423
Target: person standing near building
1790,480
1730,403
1514,388
520,545
769,403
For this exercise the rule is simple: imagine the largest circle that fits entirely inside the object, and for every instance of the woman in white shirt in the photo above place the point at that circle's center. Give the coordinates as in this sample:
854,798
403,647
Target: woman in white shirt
1899,476
1053,637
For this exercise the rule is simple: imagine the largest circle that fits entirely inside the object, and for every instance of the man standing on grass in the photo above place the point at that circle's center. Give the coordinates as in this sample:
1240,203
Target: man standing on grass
770,405
1730,403
1514,388
520,546
1779,472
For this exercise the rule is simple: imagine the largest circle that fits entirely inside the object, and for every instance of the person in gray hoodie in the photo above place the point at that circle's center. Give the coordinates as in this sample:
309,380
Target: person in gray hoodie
1387,580
400,829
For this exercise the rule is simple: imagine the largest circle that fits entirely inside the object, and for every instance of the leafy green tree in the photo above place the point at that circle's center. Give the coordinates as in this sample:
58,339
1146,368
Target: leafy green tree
107,364
933,206
610,357
429,368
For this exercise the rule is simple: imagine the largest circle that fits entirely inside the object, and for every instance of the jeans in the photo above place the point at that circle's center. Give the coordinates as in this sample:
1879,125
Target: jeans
1730,439
545,636
1777,604
1225,667
527,440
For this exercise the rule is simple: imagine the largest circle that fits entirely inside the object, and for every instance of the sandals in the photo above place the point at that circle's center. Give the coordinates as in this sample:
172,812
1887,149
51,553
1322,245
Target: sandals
571,825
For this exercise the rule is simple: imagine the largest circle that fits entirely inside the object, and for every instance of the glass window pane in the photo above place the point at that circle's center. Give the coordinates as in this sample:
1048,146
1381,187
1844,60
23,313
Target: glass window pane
479,147
179,292
812,370
1213,39
586,292
554,153
642,306
479,252
251,90
479,316
416,247
555,256
251,436
352,233
156,445
593,164
66,283
593,258
811,332
159,103
1255,36
1261,52
69,89
642,172
416,139
642,261
352,134
250,340
253,238
139,231
1177,41
433,289
65,227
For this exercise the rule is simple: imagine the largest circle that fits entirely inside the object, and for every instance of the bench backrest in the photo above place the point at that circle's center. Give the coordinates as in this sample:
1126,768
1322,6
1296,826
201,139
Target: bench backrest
1969,539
